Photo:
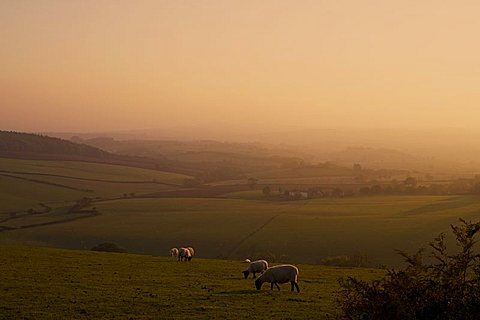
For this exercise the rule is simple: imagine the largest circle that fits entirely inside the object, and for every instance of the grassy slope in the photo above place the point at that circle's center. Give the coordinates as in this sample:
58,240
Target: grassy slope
246,195
17,194
89,170
374,226
42,283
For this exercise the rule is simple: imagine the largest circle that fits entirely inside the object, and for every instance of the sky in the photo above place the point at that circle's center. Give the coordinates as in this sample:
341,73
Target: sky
98,65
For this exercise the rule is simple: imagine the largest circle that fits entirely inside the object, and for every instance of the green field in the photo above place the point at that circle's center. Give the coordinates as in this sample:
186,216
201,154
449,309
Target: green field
294,231
235,225
42,283
25,183
88,170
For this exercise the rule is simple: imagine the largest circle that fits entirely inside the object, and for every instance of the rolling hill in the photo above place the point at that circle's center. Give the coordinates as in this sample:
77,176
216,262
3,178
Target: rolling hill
19,145
26,183
43,283
245,226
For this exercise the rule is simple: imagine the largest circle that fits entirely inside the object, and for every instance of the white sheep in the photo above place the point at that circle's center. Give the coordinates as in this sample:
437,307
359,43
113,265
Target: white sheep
192,252
174,252
247,261
279,274
256,266
184,253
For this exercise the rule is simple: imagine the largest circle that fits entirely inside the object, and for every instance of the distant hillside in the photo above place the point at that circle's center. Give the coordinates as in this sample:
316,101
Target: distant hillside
29,143
211,160
34,146
375,157
208,160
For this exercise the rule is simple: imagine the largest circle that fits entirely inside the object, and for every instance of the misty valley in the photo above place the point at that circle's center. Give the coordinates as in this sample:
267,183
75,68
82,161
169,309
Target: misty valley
293,159
233,202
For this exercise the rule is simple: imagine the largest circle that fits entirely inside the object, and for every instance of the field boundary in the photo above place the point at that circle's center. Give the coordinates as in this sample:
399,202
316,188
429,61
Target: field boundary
4,172
45,182
251,234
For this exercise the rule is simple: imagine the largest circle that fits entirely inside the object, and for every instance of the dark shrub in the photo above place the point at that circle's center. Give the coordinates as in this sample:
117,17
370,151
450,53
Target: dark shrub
351,261
446,288
109,247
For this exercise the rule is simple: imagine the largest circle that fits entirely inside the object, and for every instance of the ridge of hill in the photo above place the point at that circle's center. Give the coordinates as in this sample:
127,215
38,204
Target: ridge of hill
20,145
29,143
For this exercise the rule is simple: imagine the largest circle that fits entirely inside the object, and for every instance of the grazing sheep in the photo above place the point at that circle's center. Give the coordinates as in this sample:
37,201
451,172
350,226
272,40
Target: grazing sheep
184,253
256,266
192,252
279,274
174,252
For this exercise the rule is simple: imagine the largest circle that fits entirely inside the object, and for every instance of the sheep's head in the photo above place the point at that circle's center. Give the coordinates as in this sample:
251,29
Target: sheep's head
245,273
258,284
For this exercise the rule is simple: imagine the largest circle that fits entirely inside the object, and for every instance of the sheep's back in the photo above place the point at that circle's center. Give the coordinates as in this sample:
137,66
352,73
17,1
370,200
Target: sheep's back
258,266
184,252
281,274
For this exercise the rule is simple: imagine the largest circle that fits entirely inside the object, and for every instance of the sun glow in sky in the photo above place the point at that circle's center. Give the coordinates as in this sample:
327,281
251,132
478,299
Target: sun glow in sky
109,65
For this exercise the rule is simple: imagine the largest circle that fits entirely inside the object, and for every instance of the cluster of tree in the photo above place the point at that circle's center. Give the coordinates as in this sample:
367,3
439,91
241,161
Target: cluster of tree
313,192
81,204
447,287
129,195
411,186
35,146
17,142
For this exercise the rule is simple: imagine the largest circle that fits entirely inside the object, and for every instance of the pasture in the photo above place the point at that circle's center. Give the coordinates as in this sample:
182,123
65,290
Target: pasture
227,226
306,231
89,170
46,283
25,183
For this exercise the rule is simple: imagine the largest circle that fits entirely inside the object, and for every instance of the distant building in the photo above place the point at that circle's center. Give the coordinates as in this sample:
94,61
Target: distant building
298,194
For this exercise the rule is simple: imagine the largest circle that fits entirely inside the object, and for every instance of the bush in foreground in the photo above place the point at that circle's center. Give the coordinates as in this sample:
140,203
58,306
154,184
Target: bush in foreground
448,287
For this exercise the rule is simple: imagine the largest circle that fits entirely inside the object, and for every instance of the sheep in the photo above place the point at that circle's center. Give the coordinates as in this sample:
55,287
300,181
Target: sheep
279,274
184,253
174,252
192,252
247,261
256,266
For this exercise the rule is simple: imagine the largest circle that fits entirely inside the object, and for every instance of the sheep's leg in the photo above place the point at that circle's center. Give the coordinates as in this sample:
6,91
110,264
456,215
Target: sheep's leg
296,286
293,285
277,286
271,286
254,275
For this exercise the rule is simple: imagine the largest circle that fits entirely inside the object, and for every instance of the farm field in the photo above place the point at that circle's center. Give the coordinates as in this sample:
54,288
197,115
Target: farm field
26,183
89,170
46,283
307,231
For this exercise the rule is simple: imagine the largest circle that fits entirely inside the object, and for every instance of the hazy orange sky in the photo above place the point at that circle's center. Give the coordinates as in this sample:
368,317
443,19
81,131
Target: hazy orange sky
107,65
